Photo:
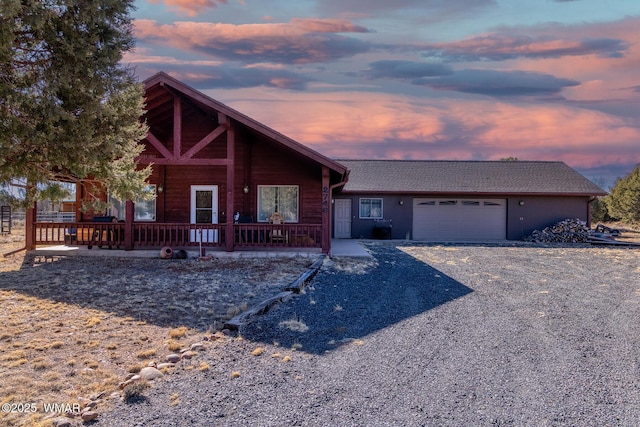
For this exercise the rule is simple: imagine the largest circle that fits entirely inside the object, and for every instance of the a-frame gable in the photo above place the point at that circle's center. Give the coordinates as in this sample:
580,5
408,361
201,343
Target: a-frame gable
167,98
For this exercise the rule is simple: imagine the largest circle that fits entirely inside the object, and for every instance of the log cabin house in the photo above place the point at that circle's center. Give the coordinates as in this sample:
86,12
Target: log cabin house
222,180
225,181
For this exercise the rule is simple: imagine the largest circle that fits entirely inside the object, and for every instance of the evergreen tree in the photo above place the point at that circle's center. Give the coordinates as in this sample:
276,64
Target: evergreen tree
68,109
623,203
599,211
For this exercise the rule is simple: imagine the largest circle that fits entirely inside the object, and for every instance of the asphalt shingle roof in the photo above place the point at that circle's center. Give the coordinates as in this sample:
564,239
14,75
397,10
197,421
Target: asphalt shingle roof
495,177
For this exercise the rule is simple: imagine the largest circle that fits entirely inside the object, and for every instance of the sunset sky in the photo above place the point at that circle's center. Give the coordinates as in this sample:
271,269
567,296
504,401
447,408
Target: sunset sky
415,79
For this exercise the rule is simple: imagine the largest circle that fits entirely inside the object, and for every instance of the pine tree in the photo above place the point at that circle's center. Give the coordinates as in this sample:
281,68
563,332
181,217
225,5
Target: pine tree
68,109
623,203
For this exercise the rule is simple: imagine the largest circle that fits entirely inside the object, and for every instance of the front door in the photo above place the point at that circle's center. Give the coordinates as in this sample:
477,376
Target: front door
342,219
204,210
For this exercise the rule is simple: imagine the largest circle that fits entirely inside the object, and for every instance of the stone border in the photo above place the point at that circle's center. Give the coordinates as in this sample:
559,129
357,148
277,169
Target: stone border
263,307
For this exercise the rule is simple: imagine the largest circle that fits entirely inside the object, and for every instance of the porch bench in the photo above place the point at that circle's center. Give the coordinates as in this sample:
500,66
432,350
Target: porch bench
103,235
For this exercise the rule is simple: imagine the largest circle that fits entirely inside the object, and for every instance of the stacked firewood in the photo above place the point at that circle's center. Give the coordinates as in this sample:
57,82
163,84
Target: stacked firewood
566,231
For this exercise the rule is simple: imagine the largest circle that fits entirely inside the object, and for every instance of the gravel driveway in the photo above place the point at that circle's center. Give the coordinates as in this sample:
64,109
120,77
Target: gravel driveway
428,335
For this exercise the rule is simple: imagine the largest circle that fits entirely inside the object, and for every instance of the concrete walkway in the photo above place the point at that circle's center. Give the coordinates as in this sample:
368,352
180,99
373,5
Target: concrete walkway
348,248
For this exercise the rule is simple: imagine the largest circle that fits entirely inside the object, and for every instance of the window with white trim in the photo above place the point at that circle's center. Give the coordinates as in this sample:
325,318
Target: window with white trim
371,208
144,210
278,198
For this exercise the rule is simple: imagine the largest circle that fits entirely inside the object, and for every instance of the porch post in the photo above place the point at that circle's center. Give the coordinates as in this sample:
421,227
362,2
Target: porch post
30,227
326,211
231,168
128,225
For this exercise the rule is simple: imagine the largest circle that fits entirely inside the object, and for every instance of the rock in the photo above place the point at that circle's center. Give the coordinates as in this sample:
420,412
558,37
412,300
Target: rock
135,377
153,364
189,354
150,373
89,416
92,404
61,422
165,365
173,358
196,346
96,396
83,401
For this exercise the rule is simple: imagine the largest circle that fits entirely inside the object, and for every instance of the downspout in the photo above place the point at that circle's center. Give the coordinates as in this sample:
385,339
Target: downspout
593,199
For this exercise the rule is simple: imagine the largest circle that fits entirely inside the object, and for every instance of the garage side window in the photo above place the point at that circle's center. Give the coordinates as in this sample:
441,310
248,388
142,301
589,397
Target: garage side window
371,208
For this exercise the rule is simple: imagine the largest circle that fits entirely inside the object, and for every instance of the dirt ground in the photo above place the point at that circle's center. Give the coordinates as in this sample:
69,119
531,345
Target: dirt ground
74,328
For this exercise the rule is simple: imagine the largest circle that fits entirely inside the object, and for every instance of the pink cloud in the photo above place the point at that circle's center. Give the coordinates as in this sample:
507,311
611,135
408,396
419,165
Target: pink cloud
602,57
189,7
364,125
298,41
327,26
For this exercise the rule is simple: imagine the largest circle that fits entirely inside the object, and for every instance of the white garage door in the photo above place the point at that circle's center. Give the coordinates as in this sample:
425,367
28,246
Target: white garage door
450,220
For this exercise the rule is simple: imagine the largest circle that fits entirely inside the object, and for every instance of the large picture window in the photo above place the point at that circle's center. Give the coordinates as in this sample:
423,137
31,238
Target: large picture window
278,198
144,210
371,208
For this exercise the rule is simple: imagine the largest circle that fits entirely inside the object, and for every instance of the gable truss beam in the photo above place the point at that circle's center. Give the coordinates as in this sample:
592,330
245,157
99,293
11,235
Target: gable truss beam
159,145
177,127
222,127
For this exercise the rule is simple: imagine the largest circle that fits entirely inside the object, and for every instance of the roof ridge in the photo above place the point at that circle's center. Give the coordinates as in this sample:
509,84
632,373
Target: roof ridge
446,161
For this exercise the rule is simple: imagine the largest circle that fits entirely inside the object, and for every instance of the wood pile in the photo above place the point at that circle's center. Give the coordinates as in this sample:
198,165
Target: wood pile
566,231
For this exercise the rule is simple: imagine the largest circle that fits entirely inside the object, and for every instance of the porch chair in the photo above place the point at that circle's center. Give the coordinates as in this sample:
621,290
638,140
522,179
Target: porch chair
278,235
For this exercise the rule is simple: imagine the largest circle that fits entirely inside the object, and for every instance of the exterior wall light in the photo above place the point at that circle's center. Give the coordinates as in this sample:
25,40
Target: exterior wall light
521,202
245,189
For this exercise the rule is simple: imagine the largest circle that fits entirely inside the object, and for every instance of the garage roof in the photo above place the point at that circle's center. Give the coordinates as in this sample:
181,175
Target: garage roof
476,177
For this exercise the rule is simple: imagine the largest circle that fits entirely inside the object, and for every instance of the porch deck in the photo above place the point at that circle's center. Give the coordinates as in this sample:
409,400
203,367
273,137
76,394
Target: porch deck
254,236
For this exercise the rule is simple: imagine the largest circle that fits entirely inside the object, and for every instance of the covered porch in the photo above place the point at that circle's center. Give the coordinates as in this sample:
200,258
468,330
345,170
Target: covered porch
130,236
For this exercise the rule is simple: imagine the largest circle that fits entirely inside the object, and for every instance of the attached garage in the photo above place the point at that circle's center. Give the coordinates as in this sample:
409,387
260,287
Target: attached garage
450,220
463,201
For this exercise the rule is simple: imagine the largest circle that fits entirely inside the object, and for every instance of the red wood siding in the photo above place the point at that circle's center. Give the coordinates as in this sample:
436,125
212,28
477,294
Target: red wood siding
258,162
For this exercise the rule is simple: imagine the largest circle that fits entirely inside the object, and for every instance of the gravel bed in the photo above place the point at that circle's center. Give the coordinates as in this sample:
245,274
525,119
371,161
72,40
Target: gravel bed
522,335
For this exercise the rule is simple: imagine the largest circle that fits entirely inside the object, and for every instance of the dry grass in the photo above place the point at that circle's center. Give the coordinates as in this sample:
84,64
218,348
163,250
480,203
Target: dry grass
175,399
294,325
134,392
146,354
177,333
59,345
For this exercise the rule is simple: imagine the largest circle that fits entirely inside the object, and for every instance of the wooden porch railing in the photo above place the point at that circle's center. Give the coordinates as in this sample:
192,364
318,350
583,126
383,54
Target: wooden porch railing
169,234
79,233
179,235
286,235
